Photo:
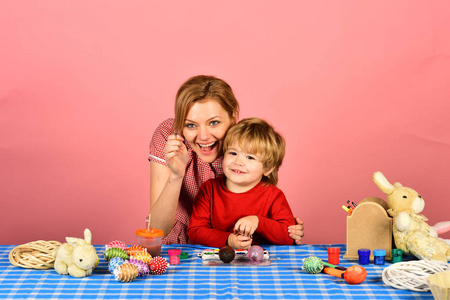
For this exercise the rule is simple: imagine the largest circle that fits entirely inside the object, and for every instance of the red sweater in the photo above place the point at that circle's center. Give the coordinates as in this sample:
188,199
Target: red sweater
216,211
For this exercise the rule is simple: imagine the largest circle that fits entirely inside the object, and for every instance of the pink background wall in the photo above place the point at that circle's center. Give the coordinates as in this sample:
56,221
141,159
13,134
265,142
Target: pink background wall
355,87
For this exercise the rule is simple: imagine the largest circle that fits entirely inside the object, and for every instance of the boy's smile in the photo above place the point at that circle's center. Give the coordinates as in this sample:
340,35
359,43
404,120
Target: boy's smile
243,170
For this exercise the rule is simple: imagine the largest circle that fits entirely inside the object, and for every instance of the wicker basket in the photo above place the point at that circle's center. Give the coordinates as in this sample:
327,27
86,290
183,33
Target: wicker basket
439,284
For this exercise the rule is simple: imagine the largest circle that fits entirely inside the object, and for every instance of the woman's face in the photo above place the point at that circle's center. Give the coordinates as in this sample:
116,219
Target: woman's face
205,127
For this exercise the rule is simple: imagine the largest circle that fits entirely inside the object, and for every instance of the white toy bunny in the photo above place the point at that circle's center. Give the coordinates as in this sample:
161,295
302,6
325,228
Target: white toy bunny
411,232
77,257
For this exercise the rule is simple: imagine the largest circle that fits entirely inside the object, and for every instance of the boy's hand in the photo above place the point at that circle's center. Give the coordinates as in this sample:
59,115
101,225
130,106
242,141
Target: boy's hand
239,241
296,231
246,226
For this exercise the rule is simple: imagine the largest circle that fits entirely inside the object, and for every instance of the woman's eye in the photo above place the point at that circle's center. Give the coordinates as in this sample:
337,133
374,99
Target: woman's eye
214,123
189,125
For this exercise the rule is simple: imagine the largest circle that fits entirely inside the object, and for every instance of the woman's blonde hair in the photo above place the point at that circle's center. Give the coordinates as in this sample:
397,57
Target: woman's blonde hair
258,137
202,87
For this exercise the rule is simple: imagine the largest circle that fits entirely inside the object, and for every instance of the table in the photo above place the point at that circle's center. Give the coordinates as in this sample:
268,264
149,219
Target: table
283,279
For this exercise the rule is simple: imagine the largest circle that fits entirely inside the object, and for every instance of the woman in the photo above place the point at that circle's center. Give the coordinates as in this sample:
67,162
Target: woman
187,151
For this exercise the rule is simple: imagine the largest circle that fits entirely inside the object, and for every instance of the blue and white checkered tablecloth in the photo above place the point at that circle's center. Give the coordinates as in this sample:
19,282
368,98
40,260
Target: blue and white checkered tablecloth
283,279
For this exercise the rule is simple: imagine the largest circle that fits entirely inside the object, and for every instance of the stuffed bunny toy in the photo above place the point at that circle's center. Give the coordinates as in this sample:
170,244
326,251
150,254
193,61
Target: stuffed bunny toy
77,257
411,232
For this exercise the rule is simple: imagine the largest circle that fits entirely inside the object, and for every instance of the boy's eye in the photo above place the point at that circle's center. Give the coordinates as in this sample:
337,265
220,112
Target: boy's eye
232,153
250,157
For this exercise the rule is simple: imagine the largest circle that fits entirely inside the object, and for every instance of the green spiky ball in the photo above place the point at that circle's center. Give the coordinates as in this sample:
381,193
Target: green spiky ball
115,252
312,264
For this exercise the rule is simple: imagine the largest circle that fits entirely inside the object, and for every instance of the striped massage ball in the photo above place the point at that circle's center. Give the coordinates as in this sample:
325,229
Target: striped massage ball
158,265
312,264
115,252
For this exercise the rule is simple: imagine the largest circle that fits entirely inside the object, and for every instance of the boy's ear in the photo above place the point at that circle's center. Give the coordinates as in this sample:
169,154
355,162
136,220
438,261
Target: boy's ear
267,173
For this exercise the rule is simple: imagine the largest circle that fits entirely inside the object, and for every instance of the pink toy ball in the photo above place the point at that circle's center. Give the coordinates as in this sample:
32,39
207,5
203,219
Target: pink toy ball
255,253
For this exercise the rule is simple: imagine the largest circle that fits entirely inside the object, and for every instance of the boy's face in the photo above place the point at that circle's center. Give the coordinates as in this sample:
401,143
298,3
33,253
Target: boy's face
243,170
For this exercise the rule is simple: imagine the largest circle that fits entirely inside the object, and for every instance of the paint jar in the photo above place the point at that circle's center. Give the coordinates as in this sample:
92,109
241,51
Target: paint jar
397,255
150,239
364,256
379,256
174,256
333,255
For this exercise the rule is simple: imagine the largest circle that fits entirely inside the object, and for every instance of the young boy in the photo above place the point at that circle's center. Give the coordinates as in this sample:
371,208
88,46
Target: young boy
245,207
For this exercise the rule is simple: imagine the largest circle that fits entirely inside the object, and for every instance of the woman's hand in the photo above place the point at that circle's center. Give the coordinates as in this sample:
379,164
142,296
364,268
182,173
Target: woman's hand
296,231
238,241
176,155
246,226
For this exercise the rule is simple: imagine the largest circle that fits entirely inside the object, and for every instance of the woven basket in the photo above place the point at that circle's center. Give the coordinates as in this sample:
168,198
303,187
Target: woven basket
35,255
439,284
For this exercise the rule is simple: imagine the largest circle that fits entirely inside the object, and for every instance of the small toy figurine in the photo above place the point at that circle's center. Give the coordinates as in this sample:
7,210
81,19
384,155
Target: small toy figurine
77,257
411,232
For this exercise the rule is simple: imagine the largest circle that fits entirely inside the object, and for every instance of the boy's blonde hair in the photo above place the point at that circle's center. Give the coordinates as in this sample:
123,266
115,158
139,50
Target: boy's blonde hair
201,88
258,137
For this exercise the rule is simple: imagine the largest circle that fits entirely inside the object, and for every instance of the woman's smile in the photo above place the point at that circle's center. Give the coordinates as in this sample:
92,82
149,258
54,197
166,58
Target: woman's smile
205,127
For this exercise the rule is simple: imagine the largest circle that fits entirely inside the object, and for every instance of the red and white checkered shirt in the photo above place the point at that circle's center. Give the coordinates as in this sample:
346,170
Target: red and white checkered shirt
197,172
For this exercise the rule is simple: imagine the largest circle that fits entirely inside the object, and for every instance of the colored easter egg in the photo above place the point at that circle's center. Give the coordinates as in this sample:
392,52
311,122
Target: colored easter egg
144,256
126,272
255,253
116,244
227,254
115,252
135,249
142,266
312,264
114,263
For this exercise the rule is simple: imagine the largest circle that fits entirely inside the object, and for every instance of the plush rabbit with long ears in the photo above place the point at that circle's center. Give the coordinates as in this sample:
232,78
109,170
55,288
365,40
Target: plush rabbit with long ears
77,257
411,232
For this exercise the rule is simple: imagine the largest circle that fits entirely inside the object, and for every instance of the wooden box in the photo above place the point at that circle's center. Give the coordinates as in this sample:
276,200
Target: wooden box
369,227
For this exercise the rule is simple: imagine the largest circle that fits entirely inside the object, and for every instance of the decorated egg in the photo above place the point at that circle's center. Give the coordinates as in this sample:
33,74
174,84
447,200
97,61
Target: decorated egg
135,249
116,244
144,256
312,265
114,263
142,266
227,254
115,252
255,253
126,272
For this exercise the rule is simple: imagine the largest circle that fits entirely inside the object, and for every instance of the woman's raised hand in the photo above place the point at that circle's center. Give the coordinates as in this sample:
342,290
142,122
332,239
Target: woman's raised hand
176,154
